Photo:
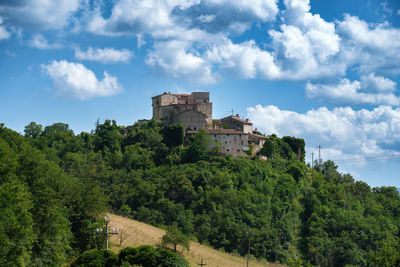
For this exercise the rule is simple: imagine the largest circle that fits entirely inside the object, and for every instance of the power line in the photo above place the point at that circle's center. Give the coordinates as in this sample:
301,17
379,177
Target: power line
378,158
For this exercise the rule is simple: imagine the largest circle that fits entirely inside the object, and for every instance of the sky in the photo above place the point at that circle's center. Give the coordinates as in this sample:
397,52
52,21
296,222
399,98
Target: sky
326,71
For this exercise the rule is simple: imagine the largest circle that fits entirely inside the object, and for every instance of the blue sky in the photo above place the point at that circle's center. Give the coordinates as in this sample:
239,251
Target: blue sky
327,71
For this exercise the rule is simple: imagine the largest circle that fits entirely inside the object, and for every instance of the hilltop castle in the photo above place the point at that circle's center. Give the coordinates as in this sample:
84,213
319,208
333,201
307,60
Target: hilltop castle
232,134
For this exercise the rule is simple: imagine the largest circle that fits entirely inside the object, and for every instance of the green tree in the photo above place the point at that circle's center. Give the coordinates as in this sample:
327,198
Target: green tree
173,135
175,237
33,130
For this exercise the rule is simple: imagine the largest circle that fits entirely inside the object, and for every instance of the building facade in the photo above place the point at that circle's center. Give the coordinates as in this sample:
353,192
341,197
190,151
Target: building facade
171,107
231,135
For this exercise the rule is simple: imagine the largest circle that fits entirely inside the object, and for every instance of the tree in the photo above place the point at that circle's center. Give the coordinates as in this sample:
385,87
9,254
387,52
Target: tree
175,237
33,130
173,135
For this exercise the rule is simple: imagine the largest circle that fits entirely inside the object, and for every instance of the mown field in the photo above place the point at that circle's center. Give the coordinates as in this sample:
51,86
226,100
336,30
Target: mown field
135,233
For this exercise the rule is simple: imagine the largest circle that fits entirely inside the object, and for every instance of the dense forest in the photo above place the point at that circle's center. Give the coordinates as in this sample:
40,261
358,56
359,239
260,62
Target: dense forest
55,185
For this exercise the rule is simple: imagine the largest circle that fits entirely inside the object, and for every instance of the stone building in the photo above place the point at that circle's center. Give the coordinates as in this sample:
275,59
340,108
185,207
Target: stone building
234,122
192,110
232,135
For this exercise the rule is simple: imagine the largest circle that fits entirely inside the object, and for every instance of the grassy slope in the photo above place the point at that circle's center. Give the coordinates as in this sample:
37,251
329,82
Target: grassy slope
136,233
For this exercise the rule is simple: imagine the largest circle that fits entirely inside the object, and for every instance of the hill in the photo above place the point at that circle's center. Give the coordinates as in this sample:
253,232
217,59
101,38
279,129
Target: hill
54,186
137,233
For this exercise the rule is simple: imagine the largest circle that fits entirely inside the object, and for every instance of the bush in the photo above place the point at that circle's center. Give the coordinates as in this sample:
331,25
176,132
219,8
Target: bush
148,256
96,258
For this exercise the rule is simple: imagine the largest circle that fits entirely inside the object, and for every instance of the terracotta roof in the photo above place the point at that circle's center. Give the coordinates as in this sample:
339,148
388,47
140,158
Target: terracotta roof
258,136
237,119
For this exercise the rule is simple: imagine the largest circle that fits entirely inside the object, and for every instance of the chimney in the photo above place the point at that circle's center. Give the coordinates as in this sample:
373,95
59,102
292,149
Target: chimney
247,120
237,115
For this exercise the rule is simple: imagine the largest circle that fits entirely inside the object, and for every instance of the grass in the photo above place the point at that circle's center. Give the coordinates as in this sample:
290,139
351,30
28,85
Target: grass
135,233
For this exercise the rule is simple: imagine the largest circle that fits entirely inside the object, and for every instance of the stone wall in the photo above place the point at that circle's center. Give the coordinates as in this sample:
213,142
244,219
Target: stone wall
191,120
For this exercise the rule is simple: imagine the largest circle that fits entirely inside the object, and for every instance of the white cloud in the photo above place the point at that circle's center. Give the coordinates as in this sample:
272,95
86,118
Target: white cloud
133,17
39,14
172,58
342,131
74,79
106,55
306,45
347,92
374,83
4,34
246,60
40,42
145,17
371,47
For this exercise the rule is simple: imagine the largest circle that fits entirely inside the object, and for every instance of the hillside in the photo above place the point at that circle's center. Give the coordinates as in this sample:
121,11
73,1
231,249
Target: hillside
137,233
54,186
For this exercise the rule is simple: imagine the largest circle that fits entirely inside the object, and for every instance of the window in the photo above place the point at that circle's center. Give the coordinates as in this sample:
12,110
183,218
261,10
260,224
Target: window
227,150
238,150
205,101
195,128
226,142
215,135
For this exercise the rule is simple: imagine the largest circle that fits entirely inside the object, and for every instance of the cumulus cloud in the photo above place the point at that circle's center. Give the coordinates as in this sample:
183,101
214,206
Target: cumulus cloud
133,17
371,47
106,55
39,14
303,47
74,79
342,131
226,15
171,57
245,60
306,45
347,92
4,34
40,42
374,83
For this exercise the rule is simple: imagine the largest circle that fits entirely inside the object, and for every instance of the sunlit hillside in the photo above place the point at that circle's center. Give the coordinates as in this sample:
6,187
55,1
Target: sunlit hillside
135,233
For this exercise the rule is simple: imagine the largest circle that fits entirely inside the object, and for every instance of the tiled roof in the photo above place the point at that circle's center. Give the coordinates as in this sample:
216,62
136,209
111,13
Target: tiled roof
237,119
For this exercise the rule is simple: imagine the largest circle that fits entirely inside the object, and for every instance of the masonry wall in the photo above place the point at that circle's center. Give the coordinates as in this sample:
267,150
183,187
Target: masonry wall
191,120
230,144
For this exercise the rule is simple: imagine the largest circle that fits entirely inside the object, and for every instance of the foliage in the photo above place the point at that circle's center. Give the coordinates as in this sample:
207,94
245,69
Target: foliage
173,135
148,256
175,237
55,184
96,258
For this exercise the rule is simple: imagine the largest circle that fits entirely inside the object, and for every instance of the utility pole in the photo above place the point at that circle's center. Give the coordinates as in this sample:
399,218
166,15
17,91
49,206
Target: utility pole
319,155
248,248
107,233
201,264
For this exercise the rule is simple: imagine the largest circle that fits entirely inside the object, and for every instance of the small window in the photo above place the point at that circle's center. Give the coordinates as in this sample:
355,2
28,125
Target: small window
195,128
227,135
226,142
205,101
186,102
238,150
215,135
227,150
